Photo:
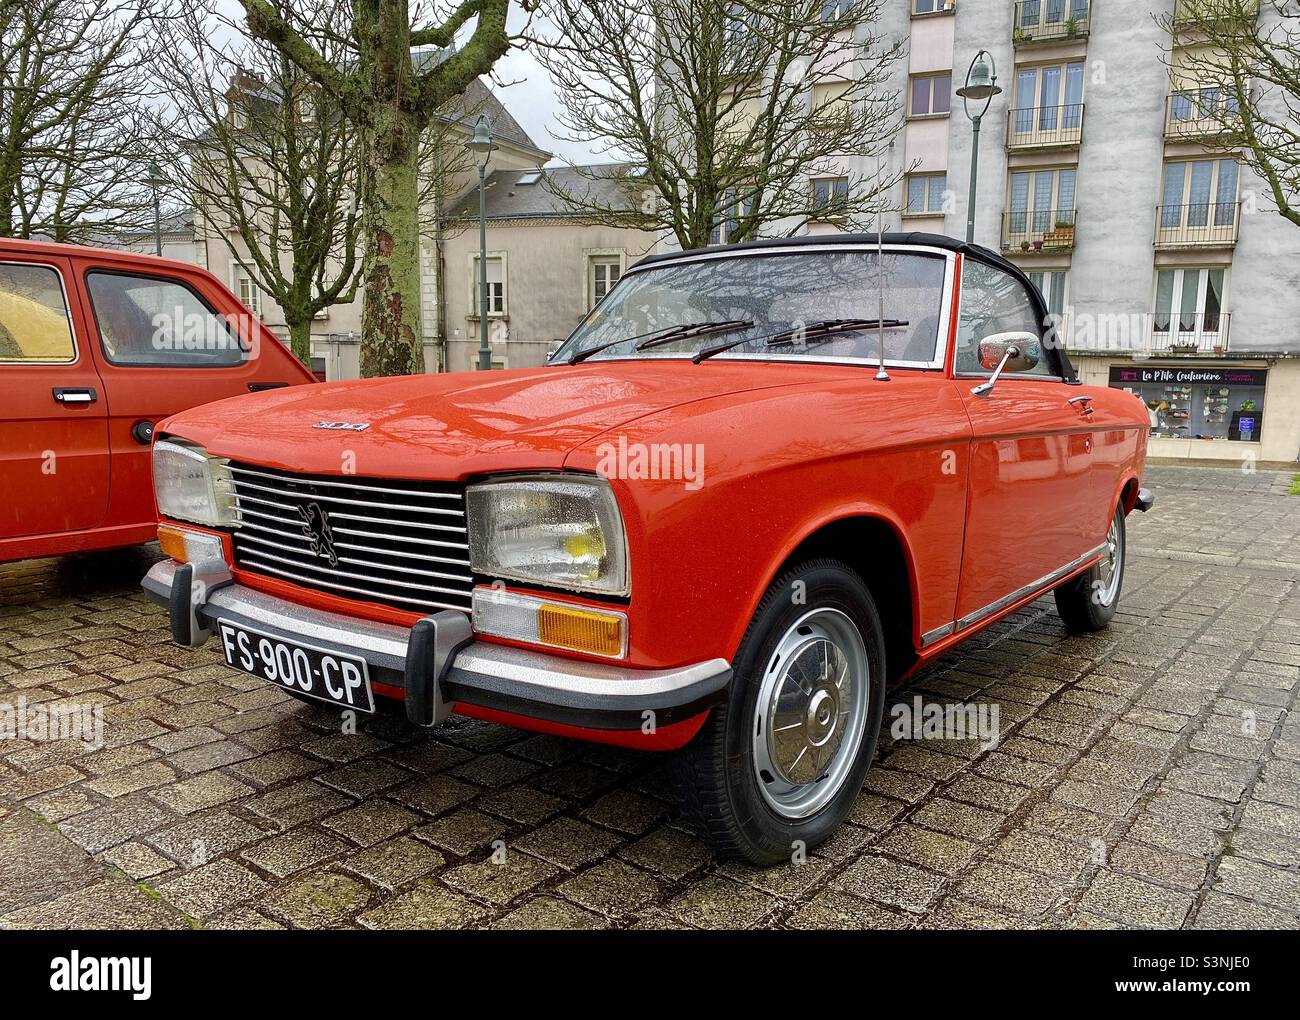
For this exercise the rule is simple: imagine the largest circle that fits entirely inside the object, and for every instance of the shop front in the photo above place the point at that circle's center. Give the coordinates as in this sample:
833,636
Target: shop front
1231,409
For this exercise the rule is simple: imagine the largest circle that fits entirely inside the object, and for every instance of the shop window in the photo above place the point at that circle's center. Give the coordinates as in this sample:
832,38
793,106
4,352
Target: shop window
1190,402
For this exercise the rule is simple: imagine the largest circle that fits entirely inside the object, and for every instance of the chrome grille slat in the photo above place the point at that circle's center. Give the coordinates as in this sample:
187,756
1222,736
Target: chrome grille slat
243,486
403,552
353,485
369,596
362,563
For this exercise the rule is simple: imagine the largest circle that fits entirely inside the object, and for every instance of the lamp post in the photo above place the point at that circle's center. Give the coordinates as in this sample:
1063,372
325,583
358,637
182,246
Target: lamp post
481,146
981,85
156,181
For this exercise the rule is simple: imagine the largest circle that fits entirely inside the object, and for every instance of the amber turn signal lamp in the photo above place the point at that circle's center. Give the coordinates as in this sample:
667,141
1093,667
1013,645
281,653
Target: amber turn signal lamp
172,541
582,630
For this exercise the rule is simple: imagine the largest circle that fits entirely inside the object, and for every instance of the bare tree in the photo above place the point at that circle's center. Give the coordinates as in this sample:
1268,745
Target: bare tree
76,117
271,158
1237,86
392,103
728,112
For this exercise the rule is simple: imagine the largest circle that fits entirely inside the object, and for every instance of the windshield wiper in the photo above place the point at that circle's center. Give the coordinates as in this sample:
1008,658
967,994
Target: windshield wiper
693,329
823,330
663,336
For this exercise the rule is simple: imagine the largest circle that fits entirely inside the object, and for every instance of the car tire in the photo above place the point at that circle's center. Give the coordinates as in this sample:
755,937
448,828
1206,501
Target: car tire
1088,602
751,793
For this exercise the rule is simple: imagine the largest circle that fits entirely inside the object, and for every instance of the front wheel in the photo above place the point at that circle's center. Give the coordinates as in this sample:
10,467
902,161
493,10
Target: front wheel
1088,602
779,766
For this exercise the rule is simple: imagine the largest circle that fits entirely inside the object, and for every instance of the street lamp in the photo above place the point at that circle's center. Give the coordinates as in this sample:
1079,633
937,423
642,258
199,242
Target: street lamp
481,146
156,181
981,85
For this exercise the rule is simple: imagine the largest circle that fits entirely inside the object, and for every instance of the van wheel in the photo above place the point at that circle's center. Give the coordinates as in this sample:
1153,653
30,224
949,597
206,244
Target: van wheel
778,767
1088,602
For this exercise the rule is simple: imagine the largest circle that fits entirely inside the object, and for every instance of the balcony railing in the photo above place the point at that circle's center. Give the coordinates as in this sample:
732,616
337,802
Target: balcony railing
1200,12
1045,127
1043,20
1190,332
1200,113
1038,231
1214,225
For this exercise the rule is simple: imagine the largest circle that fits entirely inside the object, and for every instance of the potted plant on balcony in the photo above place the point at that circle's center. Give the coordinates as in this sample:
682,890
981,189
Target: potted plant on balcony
1024,245
1071,28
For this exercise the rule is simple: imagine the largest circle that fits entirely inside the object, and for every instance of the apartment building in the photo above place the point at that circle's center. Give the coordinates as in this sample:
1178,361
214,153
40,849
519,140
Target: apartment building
1169,271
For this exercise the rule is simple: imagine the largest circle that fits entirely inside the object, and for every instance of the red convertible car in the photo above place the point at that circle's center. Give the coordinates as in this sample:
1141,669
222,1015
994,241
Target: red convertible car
757,485
95,347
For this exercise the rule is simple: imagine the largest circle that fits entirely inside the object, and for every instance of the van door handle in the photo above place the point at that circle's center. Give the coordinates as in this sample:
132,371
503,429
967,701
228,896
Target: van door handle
1084,404
75,395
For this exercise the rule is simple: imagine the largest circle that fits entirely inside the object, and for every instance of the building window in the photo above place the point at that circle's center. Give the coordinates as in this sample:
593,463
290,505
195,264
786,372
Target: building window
931,6
829,193
1189,312
1049,99
833,10
931,94
925,194
1052,285
603,272
496,286
1198,193
1041,200
726,222
249,292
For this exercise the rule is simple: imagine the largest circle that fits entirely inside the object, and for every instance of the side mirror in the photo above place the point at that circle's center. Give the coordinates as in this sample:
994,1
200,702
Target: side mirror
1022,347
1016,351
552,347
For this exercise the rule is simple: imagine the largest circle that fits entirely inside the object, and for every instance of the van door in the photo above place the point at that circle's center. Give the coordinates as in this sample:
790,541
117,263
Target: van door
54,462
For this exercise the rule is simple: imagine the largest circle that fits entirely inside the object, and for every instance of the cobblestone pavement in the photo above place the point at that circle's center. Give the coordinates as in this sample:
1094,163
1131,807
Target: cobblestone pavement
1148,776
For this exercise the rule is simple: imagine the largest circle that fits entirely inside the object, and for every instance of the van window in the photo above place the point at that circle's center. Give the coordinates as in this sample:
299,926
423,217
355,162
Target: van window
149,320
34,324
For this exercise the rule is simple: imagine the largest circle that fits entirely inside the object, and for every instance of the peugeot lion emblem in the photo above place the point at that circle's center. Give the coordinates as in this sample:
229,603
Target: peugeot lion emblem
316,526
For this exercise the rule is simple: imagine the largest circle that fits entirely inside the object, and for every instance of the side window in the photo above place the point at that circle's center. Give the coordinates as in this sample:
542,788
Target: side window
34,324
993,301
148,320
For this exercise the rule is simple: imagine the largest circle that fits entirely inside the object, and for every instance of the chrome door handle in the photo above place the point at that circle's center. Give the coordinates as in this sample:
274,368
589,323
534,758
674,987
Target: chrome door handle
1084,404
75,395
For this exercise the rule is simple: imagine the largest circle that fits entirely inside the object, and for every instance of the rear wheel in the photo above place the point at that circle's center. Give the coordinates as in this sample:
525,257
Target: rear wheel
780,765
1088,602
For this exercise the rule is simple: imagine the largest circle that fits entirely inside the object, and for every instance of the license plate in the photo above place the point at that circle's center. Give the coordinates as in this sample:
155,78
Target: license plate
342,680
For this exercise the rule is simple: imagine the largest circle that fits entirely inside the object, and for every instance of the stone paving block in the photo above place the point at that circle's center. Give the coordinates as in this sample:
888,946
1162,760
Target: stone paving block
428,905
395,862
211,888
1135,902
319,899
293,851
545,913
500,883
885,881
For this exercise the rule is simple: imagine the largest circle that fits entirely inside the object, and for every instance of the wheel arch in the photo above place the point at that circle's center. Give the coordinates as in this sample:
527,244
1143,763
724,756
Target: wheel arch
876,548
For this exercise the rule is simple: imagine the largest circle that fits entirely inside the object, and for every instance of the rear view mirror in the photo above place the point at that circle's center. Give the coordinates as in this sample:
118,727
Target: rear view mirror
1023,348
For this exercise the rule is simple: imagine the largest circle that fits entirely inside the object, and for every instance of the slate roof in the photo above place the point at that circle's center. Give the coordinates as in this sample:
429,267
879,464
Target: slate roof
509,198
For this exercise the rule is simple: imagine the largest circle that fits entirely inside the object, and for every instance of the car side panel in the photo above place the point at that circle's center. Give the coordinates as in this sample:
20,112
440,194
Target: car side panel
777,465
139,394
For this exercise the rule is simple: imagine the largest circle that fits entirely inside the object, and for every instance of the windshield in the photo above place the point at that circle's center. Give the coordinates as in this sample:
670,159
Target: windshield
777,292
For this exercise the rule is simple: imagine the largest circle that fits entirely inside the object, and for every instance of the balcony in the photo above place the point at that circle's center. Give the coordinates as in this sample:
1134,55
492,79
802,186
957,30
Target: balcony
1212,225
1201,114
1189,13
1038,232
1045,127
1050,21
1190,332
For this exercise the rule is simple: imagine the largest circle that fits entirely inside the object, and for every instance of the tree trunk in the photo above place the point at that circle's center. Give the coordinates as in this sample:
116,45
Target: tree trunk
390,318
300,339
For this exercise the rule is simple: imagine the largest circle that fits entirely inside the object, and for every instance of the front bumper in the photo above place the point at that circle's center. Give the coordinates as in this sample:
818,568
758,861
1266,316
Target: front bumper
438,664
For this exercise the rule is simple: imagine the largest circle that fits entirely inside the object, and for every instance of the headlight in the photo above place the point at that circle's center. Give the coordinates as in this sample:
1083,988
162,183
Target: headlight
563,531
192,485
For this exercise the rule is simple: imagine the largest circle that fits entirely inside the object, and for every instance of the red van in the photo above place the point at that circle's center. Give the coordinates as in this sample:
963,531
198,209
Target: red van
96,346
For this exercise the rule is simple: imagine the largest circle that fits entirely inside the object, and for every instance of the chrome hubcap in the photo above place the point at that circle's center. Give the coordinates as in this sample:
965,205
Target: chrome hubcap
1111,567
811,713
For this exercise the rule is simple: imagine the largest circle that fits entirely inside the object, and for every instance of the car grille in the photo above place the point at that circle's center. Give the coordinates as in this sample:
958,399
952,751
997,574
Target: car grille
397,542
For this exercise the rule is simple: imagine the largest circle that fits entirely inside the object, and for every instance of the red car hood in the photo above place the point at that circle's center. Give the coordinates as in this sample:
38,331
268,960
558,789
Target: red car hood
455,425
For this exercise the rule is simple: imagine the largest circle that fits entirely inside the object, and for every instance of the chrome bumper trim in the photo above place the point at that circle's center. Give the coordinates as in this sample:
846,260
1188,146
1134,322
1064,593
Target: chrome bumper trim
499,669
